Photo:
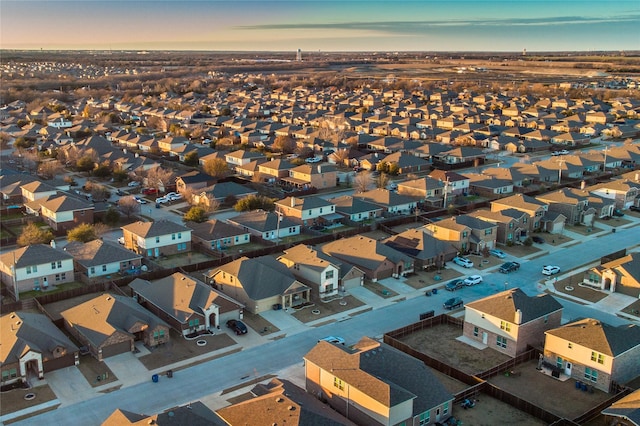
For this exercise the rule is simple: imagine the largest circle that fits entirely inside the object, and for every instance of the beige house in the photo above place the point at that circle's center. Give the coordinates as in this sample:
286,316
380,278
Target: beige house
315,268
318,176
593,352
621,275
510,321
536,209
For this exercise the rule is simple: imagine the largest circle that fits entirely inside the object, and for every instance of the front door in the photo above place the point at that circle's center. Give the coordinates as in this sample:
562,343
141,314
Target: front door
567,369
437,414
157,251
485,337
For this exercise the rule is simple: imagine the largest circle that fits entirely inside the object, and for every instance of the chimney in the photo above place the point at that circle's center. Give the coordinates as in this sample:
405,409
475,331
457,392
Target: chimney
583,184
518,317
52,243
637,177
293,202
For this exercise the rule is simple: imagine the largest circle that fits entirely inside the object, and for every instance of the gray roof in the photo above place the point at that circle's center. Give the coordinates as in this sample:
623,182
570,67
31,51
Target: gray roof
34,255
155,229
349,205
363,251
474,222
505,304
261,221
220,191
626,408
600,337
215,229
99,252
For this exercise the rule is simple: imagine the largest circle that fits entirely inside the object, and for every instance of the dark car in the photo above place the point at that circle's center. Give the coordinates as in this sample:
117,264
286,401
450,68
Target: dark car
509,267
634,208
453,285
120,192
618,213
237,326
454,302
537,239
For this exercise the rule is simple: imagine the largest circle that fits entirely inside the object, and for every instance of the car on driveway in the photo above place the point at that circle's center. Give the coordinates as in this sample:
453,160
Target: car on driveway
453,285
336,340
237,326
497,253
473,280
121,240
618,213
454,302
120,192
149,191
507,267
537,239
634,208
463,261
162,200
140,200
133,184
550,270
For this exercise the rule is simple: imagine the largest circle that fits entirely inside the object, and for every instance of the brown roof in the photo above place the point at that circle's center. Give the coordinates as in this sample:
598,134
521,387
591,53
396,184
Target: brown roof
600,337
504,305
154,229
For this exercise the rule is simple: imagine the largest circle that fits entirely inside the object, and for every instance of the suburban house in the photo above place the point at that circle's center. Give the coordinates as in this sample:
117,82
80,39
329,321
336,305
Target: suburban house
407,163
430,190
274,170
99,258
511,321
218,235
280,402
428,252
307,210
483,233
625,411
373,383
320,176
260,283
194,182
620,275
110,324
36,189
35,267
391,202
266,225
155,239
534,208
460,234
489,186
185,303
313,268
375,259
511,223
242,157
195,414
575,207
355,209
593,352
623,192
454,183
221,192
31,346
62,212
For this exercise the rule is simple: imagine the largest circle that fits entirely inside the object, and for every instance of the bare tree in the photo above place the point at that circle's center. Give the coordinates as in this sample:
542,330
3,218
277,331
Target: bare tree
284,144
331,130
382,180
363,182
159,177
50,169
30,161
216,167
128,206
341,156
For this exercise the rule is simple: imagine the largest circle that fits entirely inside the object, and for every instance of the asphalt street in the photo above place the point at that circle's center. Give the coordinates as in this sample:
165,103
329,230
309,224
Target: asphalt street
213,376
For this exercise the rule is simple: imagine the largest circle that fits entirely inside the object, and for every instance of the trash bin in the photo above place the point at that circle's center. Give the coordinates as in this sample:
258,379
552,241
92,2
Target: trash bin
613,230
154,378
578,384
169,373
434,291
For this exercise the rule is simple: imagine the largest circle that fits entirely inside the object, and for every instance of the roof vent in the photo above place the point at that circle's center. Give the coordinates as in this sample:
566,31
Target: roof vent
278,399
291,408
108,297
12,316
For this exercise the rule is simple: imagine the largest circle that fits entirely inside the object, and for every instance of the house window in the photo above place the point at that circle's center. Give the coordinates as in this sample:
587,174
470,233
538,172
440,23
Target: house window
92,270
510,236
559,362
425,418
157,239
179,235
29,269
505,326
292,230
246,238
181,246
161,332
596,357
173,236
488,231
511,225
53,265
464,234
104,268
320,209
237,239
9,374
570,346
475,331
445,408
501,342
156,335
328,275
591,374
338,383
600,359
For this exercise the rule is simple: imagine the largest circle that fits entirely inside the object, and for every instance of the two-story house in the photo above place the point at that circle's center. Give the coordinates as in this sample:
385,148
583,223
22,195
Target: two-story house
318,176
594,352
36,267
427,251
218,235
511,223
534,208
315,268
241,158
373,383
155,239
274,170
458,234
624,193
574,206
63,212
430,190
511,320
307,210
185,303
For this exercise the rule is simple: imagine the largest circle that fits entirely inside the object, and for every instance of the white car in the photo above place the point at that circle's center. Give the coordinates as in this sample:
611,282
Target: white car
162,200
140,200
497,253
550,270
333,339
473,280
133,183
121,240
563,152
175,197
463,261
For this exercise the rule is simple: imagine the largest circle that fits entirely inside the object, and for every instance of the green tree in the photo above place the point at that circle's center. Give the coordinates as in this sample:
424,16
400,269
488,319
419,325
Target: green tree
192,159
254,202
111,217
84,233
85,163
103,170
22,143
32,234
196,214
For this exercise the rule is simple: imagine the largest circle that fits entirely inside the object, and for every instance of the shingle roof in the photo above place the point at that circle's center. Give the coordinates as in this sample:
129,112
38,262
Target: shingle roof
350,205
154,229
34,255
419,244
505,304
98,252
214,229
626,408
363,251
600,337
261,221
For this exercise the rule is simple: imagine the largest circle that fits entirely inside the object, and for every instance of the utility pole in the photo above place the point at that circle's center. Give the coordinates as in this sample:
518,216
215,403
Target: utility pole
604,165
560,162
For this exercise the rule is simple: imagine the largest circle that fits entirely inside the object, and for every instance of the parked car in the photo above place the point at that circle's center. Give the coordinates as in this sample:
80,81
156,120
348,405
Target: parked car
550,270
634,208
618,213
509,267
162,200
537,239
336,340
140,200
453,285
473,280
237,326
176,197
463,261
454,302
121,240
497,253
133,184
563,152
312,160
149,191
120,192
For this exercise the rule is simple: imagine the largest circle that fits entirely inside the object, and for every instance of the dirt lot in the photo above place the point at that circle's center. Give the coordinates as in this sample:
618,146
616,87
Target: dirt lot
327,309
440,342
91,369
560,398
179,349
423,279
584,293
490,412
14,400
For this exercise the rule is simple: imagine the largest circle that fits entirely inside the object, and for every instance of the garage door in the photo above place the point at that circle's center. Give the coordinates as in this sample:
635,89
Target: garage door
351,283
116,348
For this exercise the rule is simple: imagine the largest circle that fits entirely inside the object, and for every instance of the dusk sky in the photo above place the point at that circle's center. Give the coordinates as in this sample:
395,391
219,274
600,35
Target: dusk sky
312,25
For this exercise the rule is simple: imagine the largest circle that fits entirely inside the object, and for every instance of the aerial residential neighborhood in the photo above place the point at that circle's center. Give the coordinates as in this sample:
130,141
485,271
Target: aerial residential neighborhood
351,238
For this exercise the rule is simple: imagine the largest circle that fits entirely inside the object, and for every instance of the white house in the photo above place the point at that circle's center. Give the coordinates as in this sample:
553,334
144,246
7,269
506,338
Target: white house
311,266
36,267
159,238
